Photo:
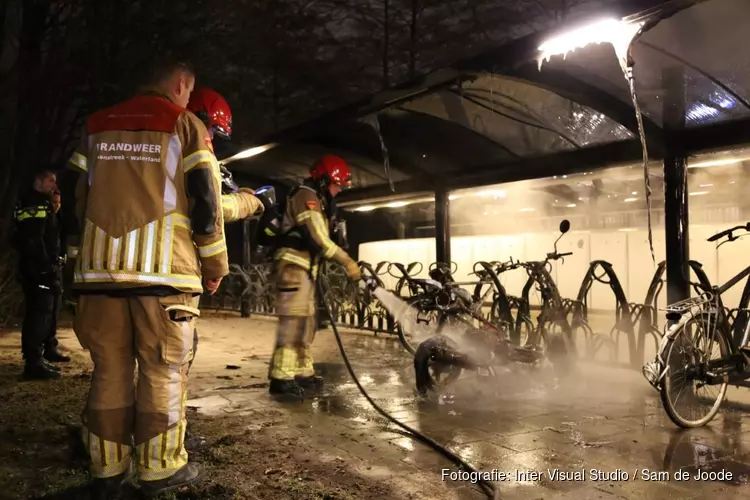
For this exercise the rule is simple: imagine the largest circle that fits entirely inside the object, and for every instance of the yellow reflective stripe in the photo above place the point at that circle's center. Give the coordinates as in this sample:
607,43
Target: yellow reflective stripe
72,251
189,309
190,161
284,254
137,277
212,249
321,229
182,221
33,213
78,160
229,203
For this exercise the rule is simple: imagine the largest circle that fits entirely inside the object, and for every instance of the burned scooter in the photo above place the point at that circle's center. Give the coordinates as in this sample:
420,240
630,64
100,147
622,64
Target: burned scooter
466,340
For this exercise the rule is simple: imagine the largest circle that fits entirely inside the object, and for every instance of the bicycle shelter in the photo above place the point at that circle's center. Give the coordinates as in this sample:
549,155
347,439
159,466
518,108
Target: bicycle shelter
499,117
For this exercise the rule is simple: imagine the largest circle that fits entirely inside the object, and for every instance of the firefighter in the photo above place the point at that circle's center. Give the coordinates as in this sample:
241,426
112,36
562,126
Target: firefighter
305,240
37,239
208,105
150,229
237,203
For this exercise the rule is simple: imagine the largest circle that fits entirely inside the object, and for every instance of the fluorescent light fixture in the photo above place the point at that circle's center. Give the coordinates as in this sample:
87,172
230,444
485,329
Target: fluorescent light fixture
630,200
627,229
365,208
698,193
706,185
493,192
527,210
453,197
397,204
249,153
716,163
617,33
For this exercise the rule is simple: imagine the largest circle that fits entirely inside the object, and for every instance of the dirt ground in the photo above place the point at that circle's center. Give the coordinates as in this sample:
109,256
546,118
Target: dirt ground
43,458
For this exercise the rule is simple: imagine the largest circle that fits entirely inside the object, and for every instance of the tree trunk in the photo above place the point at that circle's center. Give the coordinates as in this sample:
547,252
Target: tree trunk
413,39
386,44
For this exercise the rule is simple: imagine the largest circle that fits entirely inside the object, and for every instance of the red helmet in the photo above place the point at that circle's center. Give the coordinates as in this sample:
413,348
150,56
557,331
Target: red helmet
333,170
213,109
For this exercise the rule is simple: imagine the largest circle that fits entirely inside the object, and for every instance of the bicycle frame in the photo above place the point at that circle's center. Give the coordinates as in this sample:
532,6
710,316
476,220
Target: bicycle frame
682,312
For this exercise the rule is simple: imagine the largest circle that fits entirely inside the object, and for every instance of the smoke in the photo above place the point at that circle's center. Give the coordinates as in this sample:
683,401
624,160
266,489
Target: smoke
514,383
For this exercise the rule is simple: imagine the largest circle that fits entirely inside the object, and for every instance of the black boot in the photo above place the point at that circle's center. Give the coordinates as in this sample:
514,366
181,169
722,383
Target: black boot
52,367
189,474
107,488
312,383
55,356
39,371
285,388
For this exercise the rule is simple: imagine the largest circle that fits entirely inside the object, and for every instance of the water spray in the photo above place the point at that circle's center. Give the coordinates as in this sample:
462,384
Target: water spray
371,285
621,35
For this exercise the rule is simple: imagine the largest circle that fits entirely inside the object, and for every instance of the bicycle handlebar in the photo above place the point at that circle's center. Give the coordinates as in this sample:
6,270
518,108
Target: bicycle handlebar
728,232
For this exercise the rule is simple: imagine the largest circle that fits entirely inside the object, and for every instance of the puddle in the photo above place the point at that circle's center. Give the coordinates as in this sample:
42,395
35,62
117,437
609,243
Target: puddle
708,462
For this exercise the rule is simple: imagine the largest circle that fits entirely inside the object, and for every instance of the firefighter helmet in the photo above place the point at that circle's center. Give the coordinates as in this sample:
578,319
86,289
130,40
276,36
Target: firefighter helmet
331,169
213,110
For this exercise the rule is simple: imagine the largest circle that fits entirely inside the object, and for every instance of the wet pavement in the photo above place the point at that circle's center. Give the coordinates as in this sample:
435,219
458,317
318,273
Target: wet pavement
601,434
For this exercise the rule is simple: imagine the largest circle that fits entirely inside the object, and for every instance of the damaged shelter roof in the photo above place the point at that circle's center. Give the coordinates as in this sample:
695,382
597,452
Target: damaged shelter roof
498,117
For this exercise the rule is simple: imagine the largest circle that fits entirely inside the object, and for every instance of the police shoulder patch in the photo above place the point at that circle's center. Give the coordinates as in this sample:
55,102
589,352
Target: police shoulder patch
209,143
312,205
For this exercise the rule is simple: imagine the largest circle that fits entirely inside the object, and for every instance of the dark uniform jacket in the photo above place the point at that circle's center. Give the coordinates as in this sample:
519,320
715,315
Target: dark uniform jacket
37,236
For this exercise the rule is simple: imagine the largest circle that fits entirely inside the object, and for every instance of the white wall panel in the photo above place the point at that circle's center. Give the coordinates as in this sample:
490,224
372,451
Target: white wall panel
628,252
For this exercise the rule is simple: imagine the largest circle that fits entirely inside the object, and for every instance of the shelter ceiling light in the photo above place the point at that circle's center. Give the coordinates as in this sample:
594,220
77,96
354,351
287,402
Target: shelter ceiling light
497,193
716,163
571,205
630,200
453,197
617,33
249,153
699,193
526,210
397,204
365,208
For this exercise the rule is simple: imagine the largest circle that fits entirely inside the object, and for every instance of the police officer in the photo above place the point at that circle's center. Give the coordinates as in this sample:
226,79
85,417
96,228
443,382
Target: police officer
37,240
51,343
150,233
304,242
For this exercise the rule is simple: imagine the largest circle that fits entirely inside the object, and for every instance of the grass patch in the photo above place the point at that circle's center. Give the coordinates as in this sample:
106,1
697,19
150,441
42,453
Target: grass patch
42,455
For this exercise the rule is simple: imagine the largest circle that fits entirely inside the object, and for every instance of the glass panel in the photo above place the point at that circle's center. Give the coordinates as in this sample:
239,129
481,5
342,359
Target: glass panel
712,37
704,36
527,120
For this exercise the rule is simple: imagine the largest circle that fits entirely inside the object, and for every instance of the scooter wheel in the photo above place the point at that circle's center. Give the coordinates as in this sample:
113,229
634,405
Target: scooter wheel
432,376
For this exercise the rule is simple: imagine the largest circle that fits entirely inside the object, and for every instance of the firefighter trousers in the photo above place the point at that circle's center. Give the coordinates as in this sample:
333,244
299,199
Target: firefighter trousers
295,308
144,422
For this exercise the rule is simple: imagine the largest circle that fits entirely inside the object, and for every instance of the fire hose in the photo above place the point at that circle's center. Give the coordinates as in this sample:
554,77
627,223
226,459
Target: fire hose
487,487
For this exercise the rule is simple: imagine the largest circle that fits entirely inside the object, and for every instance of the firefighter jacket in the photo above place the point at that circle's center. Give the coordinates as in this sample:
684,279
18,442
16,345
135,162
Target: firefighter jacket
148,201
241,205
37,235
306,232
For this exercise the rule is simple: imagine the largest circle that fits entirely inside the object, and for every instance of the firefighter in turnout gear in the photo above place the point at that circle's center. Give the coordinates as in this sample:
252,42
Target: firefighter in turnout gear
150,230
37,240
305,240
237,203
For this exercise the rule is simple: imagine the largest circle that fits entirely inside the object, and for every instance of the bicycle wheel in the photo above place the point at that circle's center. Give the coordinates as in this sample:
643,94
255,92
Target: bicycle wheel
415,325
687,357
432,376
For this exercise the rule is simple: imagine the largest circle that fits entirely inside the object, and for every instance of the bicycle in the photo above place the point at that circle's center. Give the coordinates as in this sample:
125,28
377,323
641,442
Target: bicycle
697,322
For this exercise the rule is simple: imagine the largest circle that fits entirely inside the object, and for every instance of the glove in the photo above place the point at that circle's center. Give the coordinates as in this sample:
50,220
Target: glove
352,270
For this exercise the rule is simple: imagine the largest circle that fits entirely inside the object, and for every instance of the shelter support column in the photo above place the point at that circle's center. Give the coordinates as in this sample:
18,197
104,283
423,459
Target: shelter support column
442,226
676,229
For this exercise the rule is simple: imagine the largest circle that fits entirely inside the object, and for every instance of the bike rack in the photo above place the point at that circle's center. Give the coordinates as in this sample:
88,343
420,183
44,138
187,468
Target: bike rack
624,322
